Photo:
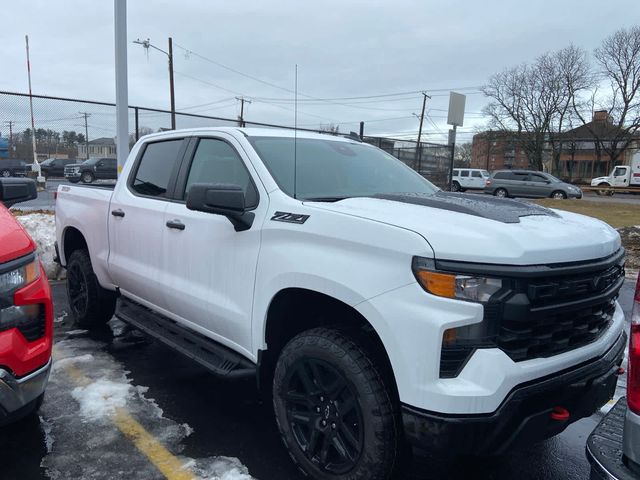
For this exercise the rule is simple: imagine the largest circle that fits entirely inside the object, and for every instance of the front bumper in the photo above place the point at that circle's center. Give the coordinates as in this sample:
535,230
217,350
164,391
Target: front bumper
18,393
605,447
524,416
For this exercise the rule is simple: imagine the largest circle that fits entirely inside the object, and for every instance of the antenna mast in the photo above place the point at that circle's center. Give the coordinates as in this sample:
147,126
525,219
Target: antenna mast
295,137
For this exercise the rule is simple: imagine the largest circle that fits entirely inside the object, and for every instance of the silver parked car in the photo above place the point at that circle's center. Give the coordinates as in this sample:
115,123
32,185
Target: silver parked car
528,183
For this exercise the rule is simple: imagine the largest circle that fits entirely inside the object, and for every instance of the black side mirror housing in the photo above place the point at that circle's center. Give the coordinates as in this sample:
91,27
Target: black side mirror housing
221,199
16,190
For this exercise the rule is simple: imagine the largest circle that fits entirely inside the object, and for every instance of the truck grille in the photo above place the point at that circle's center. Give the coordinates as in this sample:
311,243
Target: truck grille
556,314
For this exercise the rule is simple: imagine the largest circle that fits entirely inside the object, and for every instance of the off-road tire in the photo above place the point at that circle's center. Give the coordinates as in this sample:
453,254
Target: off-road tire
455,187
379,434
90,304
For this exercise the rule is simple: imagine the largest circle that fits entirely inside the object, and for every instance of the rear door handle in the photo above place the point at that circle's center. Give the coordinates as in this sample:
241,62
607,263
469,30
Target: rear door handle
117,213
176,224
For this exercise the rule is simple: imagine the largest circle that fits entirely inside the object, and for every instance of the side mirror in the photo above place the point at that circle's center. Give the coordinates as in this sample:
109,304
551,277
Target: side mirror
16,190
221,199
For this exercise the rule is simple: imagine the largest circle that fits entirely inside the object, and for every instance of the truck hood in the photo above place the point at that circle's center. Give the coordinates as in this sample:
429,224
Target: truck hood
491,230
597,181
15,242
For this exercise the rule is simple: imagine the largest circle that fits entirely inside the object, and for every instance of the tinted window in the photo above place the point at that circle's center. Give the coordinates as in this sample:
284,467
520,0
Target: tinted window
538,178
456,173
476,174
503,175
464,173
520,176
331,170
215,161
156,167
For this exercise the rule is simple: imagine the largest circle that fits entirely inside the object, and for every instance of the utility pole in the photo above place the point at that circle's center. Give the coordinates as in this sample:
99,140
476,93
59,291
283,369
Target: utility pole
36,164
418,148
147,44
10,124
86,131
241,118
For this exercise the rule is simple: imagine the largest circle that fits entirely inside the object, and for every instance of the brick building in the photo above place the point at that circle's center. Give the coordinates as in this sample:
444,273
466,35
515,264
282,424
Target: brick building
580,159
497,150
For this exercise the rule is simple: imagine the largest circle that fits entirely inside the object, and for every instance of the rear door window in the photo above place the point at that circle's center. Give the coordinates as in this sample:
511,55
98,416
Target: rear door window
503,176
156,168
476,174
535,177
464,173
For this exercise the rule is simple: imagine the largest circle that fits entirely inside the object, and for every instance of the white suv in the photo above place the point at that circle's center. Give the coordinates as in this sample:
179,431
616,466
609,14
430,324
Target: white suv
468,179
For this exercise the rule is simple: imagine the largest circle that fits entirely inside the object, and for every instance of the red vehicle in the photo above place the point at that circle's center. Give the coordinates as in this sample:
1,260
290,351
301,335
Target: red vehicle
26,311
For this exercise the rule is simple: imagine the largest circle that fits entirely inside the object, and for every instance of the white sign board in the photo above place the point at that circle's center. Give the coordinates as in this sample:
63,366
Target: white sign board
456,109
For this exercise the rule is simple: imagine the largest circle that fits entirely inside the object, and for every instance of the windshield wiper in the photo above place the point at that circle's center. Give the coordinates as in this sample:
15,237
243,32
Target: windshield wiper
324,199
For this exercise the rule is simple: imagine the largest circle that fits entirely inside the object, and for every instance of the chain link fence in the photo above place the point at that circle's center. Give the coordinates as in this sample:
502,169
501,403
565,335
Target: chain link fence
67,128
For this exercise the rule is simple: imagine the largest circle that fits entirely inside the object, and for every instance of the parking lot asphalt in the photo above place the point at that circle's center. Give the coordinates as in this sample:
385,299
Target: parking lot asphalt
174,413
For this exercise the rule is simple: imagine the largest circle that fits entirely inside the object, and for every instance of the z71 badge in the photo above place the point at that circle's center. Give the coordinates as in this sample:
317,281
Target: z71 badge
289,217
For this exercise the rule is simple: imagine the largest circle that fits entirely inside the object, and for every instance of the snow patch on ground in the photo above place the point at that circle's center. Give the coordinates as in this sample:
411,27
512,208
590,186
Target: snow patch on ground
88,445
65,362
42,228
60,318
101,398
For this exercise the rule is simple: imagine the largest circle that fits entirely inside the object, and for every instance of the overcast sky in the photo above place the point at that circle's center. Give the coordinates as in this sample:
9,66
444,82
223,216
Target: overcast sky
342,48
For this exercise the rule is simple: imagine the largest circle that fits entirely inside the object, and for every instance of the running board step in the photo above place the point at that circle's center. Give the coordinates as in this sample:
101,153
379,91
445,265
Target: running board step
217,358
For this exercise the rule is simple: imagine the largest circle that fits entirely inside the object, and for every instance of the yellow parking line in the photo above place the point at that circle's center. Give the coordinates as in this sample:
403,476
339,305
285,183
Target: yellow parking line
170,466
167,463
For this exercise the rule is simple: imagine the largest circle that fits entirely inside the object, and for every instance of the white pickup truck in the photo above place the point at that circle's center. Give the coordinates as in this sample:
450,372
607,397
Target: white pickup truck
379,311
622,177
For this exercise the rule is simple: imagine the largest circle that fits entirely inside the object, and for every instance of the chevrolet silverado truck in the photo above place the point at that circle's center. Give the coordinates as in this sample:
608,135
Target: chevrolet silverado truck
378,311
26,311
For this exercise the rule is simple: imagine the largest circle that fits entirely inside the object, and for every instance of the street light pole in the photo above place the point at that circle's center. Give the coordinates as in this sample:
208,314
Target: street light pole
147,44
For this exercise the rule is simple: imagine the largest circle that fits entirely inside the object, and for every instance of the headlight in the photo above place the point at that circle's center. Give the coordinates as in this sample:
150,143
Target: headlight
18,278
451,285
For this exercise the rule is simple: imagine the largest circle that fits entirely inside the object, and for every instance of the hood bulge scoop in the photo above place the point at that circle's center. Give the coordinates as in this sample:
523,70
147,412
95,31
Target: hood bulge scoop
499,209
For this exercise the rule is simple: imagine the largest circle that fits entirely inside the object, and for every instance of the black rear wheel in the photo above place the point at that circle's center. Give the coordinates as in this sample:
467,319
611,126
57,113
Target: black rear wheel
90,304
333,409
501,193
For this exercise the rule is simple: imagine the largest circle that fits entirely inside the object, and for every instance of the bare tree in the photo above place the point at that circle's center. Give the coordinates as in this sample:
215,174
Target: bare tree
535,100
619,58
463,154
575,74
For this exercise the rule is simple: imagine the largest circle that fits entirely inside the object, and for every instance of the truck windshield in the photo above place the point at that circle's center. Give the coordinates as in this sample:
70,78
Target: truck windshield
329,170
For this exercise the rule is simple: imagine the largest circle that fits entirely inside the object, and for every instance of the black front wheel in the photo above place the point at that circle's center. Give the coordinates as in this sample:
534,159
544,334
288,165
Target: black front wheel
90,304
88,177
333,409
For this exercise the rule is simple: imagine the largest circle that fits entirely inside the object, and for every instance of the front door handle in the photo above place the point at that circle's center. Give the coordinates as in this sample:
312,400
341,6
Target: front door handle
176,224
117,213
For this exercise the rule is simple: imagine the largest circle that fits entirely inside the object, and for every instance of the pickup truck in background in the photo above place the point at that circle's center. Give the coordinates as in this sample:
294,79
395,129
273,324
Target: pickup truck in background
379,311
26,311
94,168
622,178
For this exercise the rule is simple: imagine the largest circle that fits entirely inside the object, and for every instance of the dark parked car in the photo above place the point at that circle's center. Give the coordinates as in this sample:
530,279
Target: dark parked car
532,184
54,167
95,168
12,167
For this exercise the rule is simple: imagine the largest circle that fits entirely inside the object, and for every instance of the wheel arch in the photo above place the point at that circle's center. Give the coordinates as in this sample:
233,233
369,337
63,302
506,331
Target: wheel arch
286,318
72,240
